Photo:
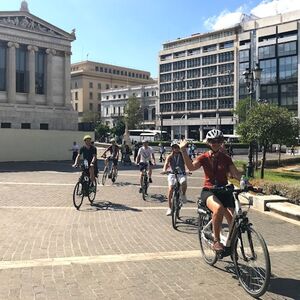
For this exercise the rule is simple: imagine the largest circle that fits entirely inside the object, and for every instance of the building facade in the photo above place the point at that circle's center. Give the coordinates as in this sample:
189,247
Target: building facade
90,79
114,102
34,73
201,76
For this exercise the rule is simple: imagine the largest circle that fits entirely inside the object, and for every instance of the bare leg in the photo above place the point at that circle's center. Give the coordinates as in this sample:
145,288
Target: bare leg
170,193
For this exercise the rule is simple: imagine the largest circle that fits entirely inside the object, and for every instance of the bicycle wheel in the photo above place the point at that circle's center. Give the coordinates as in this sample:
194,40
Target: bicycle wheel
252,262
104,176
114,175
209,255
92,191
175,208
145,188
78,195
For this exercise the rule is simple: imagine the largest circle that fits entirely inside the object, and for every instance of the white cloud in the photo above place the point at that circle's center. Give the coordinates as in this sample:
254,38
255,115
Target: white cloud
265,8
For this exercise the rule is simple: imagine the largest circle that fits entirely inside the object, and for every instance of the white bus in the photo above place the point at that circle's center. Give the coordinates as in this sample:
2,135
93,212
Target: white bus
137,135
232,138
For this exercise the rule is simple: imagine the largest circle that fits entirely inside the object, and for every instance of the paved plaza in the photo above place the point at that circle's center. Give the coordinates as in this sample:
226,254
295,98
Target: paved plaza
121,247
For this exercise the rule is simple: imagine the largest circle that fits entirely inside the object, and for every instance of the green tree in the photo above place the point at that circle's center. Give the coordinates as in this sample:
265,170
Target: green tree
243,107
119,128
268,124
89,117
101,131
133,113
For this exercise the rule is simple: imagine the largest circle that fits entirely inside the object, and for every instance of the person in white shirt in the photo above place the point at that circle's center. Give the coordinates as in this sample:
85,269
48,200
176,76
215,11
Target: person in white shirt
75,150
144,159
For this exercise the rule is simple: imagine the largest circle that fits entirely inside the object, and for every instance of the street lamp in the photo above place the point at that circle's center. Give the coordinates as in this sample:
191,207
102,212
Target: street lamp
161,117
252,78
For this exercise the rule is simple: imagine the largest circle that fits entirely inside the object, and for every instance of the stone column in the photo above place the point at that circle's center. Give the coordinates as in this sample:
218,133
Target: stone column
67,79
11,72
49,75
31,68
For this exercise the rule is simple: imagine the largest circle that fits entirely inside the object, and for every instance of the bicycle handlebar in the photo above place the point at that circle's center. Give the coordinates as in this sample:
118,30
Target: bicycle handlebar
231,188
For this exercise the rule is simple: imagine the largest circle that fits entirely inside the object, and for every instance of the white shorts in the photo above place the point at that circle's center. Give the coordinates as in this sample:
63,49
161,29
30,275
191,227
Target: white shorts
172,179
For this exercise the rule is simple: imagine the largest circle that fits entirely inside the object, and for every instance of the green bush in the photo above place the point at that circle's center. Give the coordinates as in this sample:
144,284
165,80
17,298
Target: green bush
283,162
292,192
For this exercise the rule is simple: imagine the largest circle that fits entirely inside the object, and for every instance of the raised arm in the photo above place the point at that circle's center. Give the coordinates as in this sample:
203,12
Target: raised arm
191,165
234,172
166,165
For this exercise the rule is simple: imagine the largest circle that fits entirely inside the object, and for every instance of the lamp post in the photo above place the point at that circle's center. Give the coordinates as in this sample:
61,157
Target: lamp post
160,116
251,77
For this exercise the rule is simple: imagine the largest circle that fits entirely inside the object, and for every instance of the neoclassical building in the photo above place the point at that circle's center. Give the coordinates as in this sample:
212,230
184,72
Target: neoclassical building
34,73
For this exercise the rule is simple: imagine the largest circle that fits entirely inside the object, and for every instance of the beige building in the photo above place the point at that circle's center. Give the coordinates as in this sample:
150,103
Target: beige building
34,73
89,79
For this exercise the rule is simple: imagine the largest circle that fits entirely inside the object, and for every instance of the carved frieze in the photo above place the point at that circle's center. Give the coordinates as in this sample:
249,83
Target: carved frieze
27,23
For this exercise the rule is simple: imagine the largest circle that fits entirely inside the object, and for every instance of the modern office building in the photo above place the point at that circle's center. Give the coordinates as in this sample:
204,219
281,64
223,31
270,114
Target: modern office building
90,79
114,101
34,73
201,76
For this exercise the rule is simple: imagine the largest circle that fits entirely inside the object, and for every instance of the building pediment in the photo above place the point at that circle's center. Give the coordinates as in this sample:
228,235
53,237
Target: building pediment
28,22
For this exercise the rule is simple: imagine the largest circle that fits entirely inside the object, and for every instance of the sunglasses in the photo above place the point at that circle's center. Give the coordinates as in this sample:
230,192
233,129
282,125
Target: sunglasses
216,141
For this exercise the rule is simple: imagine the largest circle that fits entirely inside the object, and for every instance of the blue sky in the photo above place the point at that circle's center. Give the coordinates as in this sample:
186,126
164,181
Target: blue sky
131,32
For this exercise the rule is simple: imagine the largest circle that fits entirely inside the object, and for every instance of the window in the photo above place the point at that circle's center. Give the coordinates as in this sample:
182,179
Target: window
165,107
107,97
178,75
76,106
165,77
244,55
90,85
96,69
209,104
193,94
209,48
21,72
99,86
226,68
99,107
288,95
153,113
288,68
91,106
225,45
114,96
268,74
209,60
107,86
266,52
44,126
209,93
25,126
195,73
178,65
193,105
226,103
124,96
2,67
116,86
76,95
209,71
165,97
226,91
91,96
99,96
146,117
40,72
119,96
179,96
287,49
107,111
167,87
269,92
5,125
210,81
180,106
226,56
194,62
76,85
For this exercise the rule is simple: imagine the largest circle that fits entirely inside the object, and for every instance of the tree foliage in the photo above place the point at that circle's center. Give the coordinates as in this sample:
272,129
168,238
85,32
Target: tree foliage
89,117
101,131
133,113
269,124
119,128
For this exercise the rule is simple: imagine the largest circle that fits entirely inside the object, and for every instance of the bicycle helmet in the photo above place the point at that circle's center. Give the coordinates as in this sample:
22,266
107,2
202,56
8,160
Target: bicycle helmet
112,140
144,141
174,143
214,134
87,137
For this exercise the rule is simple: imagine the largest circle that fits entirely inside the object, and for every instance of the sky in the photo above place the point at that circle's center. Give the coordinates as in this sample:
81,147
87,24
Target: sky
130,33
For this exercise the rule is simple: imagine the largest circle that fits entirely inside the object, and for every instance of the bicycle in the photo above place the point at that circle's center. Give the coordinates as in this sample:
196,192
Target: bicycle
243,244
176,201
145,181
109,169
84,187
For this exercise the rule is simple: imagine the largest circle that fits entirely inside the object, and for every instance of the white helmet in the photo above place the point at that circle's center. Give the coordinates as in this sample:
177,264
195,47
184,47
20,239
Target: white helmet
112,140
144,141
174,143
214,134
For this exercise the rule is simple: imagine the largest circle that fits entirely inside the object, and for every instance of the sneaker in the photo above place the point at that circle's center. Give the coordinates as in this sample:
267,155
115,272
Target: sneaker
183,199
109,175
218,246
169,212
140,190
150,179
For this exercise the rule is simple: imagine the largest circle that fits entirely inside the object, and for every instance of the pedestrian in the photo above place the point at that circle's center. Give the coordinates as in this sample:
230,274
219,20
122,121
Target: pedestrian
136,148
162,151
193,150
74,149
293,150
190,151
123,151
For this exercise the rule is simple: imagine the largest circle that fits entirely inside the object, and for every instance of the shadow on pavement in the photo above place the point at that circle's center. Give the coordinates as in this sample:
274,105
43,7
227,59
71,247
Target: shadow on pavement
286,287
157,198
188,225
125,183
107,205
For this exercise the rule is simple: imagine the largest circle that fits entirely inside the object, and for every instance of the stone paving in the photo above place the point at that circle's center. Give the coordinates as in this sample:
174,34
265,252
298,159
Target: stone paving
122,247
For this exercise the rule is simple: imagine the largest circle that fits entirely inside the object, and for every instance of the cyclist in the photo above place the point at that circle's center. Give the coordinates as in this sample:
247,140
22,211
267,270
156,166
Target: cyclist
144,159
216,165
114,150
89,153
173,161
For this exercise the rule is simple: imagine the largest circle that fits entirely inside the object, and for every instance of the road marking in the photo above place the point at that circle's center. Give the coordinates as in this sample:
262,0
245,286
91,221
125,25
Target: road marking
130,257
71,207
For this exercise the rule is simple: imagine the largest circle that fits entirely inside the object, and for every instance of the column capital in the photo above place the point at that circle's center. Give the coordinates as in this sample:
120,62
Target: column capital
32,48
51,51
68,53
13,45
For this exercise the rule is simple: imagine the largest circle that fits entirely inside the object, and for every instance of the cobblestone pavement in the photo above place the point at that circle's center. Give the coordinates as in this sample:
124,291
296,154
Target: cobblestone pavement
121,247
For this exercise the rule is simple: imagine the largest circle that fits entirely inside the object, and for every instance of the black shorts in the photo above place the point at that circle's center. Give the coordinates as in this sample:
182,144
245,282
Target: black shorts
144,165
114,160
226,198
